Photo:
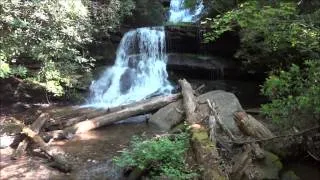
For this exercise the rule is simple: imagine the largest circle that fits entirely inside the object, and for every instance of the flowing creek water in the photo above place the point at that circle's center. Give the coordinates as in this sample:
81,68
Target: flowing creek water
140,67
178,12
139,72
134,77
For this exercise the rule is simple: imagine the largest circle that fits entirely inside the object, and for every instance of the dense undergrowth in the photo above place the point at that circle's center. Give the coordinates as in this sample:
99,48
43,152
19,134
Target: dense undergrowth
282,37
160,157
45,41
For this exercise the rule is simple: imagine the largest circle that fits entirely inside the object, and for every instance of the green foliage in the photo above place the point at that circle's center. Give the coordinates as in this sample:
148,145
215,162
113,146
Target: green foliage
269,32
52,35
107,14
52,32
163,156
278,35
295,95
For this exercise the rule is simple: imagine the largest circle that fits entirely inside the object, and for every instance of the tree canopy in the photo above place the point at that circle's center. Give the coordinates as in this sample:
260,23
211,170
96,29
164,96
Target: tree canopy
45,41
282,37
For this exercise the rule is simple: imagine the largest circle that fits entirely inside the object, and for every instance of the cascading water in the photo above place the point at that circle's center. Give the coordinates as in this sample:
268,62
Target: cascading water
140,67
139,70
178,12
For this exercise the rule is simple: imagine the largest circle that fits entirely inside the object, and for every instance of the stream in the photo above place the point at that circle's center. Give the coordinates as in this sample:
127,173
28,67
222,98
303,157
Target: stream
140,72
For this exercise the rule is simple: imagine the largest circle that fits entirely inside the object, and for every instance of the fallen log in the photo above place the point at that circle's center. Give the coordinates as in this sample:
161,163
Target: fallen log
59,161
92,113
206,154
189,102
78,114
36,127
132,110
204,146
251,127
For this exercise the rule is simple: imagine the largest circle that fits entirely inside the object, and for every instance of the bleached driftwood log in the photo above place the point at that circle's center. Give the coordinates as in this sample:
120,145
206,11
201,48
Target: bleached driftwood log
135,109
57,157
189,102
36,127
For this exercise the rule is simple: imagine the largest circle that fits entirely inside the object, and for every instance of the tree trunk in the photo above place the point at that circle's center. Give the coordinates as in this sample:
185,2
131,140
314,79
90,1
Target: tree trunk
206,154
132,110
76,114
203,146
189,102
59,161
251,127
36,127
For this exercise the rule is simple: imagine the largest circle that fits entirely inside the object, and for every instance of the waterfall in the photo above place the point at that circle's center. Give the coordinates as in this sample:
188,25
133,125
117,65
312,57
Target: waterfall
140,67
178,12
139,70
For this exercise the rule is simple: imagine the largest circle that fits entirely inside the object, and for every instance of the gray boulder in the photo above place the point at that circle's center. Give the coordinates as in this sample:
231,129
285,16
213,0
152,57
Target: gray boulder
170,115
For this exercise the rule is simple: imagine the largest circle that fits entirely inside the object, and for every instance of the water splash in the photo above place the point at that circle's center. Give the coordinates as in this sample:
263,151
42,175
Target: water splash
178,12
139,70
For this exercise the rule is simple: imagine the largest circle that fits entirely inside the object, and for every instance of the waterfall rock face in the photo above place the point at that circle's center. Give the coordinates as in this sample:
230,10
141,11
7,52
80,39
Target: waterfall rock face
133,77
140,67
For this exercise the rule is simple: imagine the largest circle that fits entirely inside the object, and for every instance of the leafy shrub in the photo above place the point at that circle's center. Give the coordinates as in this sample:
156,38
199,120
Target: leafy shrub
295,95
269,32
164,156
51,33
107,14
46,40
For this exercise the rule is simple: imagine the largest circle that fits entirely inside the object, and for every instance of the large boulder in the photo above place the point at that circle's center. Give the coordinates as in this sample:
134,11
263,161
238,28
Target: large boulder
227,103
267,168
168,116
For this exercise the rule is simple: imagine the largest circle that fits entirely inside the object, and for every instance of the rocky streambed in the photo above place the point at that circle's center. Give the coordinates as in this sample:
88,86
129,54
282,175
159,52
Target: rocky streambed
91,153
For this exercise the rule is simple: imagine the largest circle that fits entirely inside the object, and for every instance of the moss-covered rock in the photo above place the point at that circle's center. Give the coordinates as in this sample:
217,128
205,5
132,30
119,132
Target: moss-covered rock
269,167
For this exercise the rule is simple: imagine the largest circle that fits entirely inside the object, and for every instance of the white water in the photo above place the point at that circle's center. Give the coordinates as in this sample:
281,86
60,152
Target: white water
178,13
140,67
139,70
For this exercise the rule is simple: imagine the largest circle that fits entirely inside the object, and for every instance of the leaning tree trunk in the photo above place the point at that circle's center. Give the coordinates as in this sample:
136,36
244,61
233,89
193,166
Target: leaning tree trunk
59,161
189,102
36,127
206,152
132,110
250,126
75,114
